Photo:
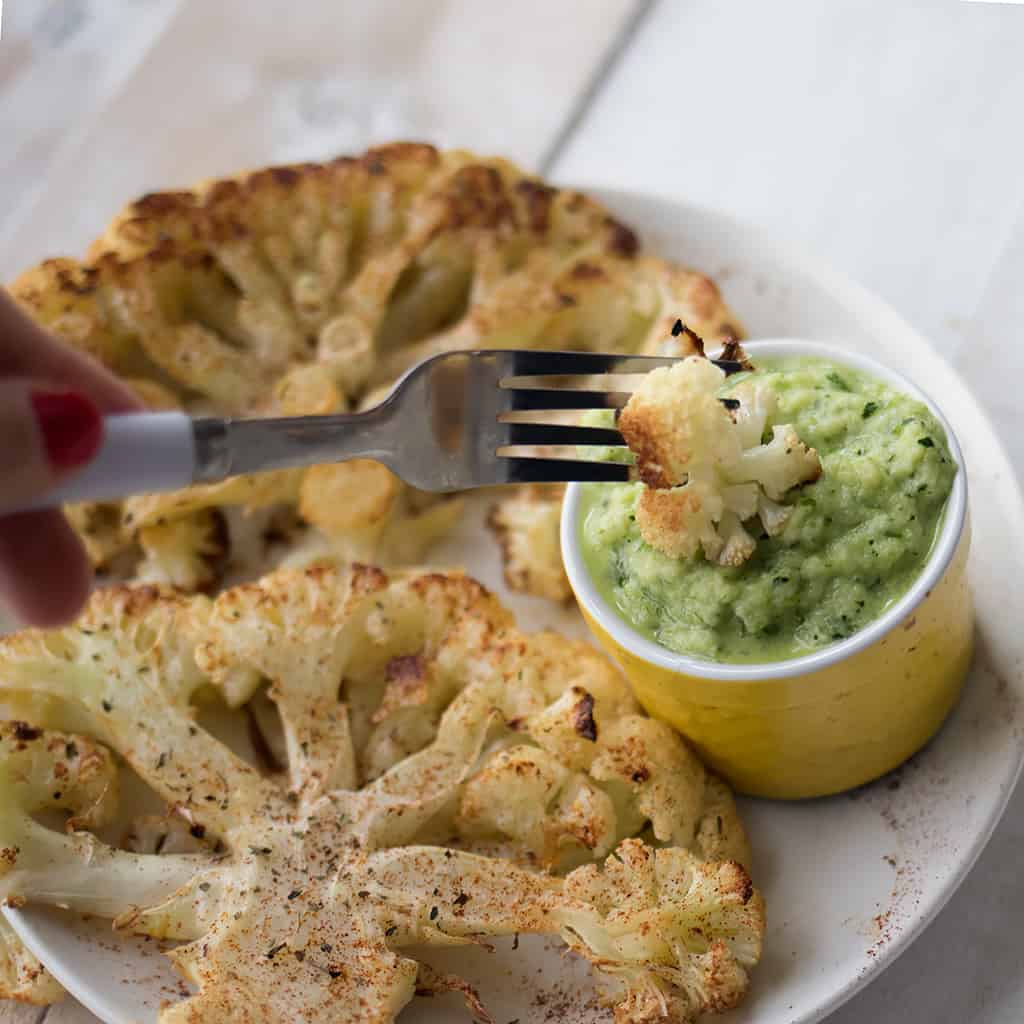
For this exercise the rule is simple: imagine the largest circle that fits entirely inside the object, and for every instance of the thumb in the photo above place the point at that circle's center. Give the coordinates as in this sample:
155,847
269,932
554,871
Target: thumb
46,433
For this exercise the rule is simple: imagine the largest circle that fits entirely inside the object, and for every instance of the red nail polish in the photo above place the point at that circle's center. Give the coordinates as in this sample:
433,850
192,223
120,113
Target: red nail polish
71,426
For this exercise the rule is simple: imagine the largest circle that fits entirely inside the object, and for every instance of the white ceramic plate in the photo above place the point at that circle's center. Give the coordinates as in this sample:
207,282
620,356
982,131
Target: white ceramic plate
850,881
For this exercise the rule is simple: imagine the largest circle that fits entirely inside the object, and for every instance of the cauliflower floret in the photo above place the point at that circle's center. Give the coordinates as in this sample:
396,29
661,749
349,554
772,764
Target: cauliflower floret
706,470
353,497
43,771
309,390
720,833
126,673
346,346
675,934
101,529
511,794
737,544
399,653
773,516
779,465
679,521
664,778
675,423
568,727
584,822
576,767
602,773
188,553
527,528
757,404
363,512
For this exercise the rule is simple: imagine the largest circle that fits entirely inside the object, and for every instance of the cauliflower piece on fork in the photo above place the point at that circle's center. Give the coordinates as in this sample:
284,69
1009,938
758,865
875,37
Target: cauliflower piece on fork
706,469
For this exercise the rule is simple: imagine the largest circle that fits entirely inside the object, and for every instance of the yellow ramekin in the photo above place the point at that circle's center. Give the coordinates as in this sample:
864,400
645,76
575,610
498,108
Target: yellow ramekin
831,720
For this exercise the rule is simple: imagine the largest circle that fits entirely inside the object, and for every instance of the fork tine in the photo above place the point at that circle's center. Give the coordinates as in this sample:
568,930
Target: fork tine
627,383
558,417
559,434
542,380
538,362
532,362
577,400
539,471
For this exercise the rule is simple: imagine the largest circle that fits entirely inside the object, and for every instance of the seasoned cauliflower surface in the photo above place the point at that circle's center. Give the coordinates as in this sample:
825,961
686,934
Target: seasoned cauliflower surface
311,288
22,976
418,727
527,527
707,464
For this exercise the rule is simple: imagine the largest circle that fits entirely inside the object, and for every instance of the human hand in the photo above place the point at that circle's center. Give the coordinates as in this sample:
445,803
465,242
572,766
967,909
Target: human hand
52,400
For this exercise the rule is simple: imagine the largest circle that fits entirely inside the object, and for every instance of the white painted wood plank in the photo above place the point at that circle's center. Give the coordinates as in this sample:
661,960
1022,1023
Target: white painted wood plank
19,1013
234,84
886,135
989,355
69,1012
59,60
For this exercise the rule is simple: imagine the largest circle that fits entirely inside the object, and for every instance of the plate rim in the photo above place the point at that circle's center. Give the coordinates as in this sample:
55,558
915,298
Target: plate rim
855,296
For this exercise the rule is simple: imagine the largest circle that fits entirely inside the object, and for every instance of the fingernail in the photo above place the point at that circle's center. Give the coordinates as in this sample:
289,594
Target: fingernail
71,426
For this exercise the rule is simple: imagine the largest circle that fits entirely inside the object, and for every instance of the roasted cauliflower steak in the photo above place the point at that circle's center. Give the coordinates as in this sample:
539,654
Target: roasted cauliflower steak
423,734
309,289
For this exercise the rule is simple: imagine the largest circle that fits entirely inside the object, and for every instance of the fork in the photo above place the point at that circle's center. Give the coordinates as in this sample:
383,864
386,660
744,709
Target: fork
453,422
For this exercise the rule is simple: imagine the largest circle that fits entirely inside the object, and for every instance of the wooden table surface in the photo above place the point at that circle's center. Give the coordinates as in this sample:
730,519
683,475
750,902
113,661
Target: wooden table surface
885,135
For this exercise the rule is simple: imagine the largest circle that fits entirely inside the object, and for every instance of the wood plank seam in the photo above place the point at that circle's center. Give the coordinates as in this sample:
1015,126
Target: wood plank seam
607,64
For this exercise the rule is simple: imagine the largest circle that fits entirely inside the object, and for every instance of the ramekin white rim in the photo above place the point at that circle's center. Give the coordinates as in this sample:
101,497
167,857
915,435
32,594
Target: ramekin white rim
942,553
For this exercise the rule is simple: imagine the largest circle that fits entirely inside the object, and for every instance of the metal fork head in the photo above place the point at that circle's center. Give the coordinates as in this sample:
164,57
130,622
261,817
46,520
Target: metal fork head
480,418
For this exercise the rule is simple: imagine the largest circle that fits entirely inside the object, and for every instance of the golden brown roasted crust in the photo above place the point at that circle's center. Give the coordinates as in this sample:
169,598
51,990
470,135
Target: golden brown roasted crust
674,417
672,520
526,525
303,288
22,977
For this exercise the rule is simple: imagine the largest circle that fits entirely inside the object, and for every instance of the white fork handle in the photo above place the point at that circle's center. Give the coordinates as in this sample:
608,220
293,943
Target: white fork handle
141,453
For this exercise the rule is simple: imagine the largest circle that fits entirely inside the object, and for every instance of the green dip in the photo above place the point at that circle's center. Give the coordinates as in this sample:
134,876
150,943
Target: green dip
855,542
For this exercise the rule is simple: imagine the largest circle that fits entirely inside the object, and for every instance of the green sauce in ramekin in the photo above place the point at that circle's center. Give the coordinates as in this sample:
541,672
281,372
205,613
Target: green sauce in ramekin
854,544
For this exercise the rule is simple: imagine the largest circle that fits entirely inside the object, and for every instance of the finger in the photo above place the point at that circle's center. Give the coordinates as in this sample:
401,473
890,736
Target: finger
46,435
45,574
26,350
